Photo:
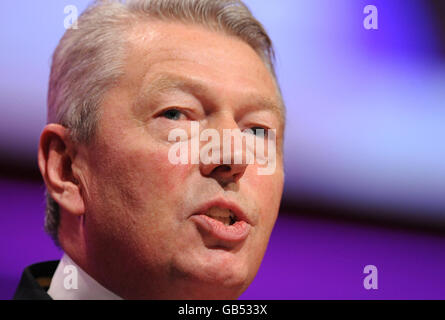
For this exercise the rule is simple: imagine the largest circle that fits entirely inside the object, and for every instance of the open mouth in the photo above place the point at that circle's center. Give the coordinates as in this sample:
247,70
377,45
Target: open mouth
223,221
225,216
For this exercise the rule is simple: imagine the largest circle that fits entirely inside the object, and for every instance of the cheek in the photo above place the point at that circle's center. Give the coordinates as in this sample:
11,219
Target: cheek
165,175
136,193
135,177
268,189
267,192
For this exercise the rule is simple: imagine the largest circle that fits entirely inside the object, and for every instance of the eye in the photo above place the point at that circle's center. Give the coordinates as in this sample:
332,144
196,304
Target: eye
172,114
259,131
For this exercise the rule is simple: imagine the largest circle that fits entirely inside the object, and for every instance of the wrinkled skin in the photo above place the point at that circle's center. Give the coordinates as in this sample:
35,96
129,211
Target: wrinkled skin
129,225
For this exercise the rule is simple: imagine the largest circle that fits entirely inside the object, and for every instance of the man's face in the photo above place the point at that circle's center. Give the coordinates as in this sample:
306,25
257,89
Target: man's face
144,238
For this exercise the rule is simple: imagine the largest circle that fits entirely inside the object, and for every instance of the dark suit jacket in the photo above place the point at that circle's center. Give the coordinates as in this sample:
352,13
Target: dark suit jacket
35,281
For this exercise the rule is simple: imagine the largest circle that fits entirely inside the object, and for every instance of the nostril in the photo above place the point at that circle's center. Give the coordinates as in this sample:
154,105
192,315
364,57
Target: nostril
237,176
222,168
225,174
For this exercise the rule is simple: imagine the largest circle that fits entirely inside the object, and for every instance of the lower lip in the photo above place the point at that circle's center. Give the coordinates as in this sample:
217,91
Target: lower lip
232,233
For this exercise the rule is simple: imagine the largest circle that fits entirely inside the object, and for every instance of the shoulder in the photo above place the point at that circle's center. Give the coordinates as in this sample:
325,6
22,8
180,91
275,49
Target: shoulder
35,281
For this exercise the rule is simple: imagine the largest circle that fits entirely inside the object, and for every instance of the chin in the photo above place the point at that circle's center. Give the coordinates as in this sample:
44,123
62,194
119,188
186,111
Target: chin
213,291
214,278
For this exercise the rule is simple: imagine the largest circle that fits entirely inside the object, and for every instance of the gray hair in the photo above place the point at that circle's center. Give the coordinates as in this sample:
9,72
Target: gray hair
89,60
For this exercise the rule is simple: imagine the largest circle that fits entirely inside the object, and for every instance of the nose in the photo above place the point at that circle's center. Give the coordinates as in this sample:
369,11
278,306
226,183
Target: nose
227,170
224,173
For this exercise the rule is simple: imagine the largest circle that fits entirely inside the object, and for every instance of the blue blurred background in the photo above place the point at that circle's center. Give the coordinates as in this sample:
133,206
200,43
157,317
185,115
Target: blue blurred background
364,150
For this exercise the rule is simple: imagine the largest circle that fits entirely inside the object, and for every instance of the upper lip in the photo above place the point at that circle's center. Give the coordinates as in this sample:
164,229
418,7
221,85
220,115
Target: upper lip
224,204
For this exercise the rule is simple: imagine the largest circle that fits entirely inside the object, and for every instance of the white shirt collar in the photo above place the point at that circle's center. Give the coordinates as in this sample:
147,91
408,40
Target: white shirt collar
70,282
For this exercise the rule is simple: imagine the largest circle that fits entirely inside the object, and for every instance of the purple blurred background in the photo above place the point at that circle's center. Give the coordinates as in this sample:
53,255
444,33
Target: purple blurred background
365,158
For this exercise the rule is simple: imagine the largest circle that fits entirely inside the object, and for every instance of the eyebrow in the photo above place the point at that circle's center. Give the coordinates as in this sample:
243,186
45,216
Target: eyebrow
169,81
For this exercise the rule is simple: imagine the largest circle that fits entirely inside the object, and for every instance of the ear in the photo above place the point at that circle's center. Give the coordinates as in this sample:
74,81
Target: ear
55,158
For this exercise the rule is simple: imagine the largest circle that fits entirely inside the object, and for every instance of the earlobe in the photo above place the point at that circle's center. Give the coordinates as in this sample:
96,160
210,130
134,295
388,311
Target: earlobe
55,158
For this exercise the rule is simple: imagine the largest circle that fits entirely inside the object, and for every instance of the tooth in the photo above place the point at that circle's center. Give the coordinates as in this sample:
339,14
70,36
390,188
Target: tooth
226,216
219,212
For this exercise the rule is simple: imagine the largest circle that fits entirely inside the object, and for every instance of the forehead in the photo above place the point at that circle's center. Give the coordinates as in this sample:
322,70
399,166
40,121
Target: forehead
164,55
